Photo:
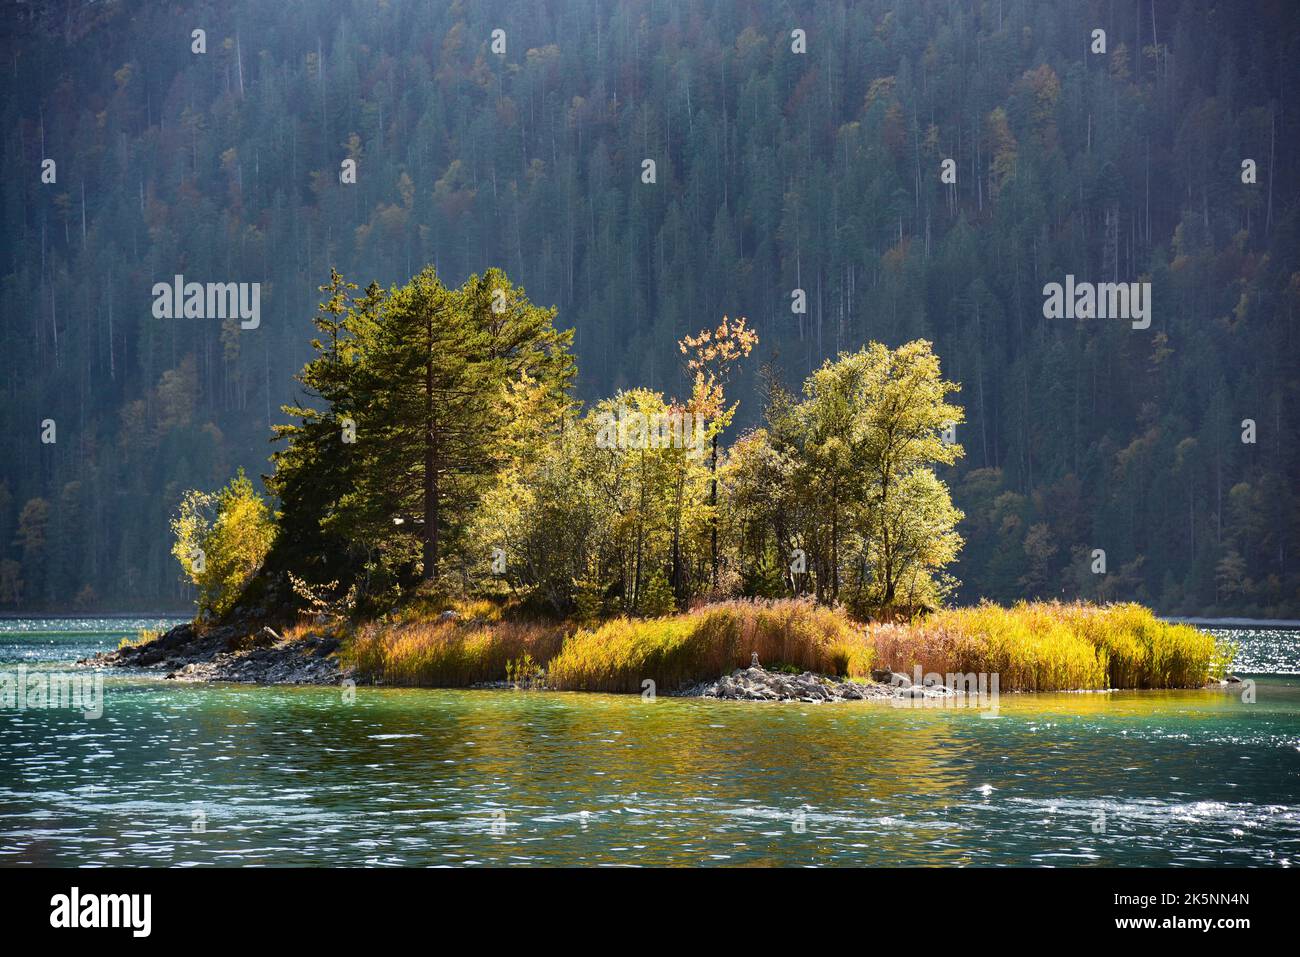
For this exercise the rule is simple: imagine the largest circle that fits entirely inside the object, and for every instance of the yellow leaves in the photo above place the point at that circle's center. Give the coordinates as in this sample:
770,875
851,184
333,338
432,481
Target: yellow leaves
221,540
1119,62
711,355
720,347
542,57
931,141
1136,453
32,523
453,191
362,235
63,203
192,120
1003,146
1242,308
895,257
880,89
750,40
1160,349
176,396
577,112
134,428
390,219
1044,88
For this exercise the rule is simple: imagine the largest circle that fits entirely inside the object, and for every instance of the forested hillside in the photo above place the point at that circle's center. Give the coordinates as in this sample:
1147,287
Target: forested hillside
798,160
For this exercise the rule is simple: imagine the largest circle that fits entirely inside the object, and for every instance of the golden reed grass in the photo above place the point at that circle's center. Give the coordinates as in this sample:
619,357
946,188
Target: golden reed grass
710,641
447,654
1031,647
1053,646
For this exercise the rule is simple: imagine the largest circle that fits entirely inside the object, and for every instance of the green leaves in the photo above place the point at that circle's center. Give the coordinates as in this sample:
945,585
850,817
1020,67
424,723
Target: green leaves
429,393
845,475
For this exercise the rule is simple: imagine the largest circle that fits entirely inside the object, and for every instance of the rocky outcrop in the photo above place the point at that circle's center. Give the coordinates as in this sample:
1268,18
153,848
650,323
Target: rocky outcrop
758,684
231,653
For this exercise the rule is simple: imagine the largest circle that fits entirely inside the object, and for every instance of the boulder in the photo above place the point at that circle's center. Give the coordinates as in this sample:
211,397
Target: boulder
265,638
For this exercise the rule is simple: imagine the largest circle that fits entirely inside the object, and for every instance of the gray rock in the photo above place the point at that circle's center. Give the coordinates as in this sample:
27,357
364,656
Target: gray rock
226,653
756,684
266,638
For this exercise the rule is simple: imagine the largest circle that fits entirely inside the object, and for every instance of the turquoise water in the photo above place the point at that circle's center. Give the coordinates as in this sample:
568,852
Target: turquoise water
226,775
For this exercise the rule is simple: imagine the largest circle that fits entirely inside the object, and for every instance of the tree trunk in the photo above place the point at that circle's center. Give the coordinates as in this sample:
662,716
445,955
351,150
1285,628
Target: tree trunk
430,481
713,518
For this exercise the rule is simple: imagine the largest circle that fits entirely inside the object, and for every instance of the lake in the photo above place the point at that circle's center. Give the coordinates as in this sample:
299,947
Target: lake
228,775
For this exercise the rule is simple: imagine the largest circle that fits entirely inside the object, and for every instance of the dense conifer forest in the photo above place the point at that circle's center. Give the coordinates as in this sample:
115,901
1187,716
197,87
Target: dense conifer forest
647,167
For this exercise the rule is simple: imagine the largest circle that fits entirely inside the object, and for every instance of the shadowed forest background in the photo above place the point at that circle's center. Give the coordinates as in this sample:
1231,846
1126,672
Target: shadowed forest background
776,171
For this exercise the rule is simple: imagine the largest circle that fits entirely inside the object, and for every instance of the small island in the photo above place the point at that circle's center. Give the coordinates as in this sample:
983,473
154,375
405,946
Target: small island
444,513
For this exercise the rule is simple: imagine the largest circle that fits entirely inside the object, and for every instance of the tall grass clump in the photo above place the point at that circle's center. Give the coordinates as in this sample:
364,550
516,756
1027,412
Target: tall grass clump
1145,652
142,637
701,645
1038,646
1050,646
446,654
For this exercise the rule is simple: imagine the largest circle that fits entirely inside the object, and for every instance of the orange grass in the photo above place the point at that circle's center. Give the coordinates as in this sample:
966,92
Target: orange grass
446,653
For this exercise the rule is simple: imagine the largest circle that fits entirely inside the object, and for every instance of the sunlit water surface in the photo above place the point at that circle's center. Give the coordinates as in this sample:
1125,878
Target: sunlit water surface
229,775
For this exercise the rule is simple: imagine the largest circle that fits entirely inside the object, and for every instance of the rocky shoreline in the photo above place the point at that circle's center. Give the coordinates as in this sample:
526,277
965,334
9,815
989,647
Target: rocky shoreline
756,683
229,653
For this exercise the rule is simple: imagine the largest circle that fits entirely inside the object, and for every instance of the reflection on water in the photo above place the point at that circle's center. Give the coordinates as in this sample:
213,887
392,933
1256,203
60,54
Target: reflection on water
274,776
1266,651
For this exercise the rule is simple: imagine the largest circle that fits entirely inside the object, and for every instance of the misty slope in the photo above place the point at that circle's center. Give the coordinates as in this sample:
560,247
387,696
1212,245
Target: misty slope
775,171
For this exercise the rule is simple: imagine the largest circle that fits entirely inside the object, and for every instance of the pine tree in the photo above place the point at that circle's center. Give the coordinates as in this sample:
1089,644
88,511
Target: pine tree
432,379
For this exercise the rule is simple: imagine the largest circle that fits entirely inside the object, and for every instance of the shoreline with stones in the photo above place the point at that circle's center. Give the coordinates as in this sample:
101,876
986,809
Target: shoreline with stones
229,653
226,653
